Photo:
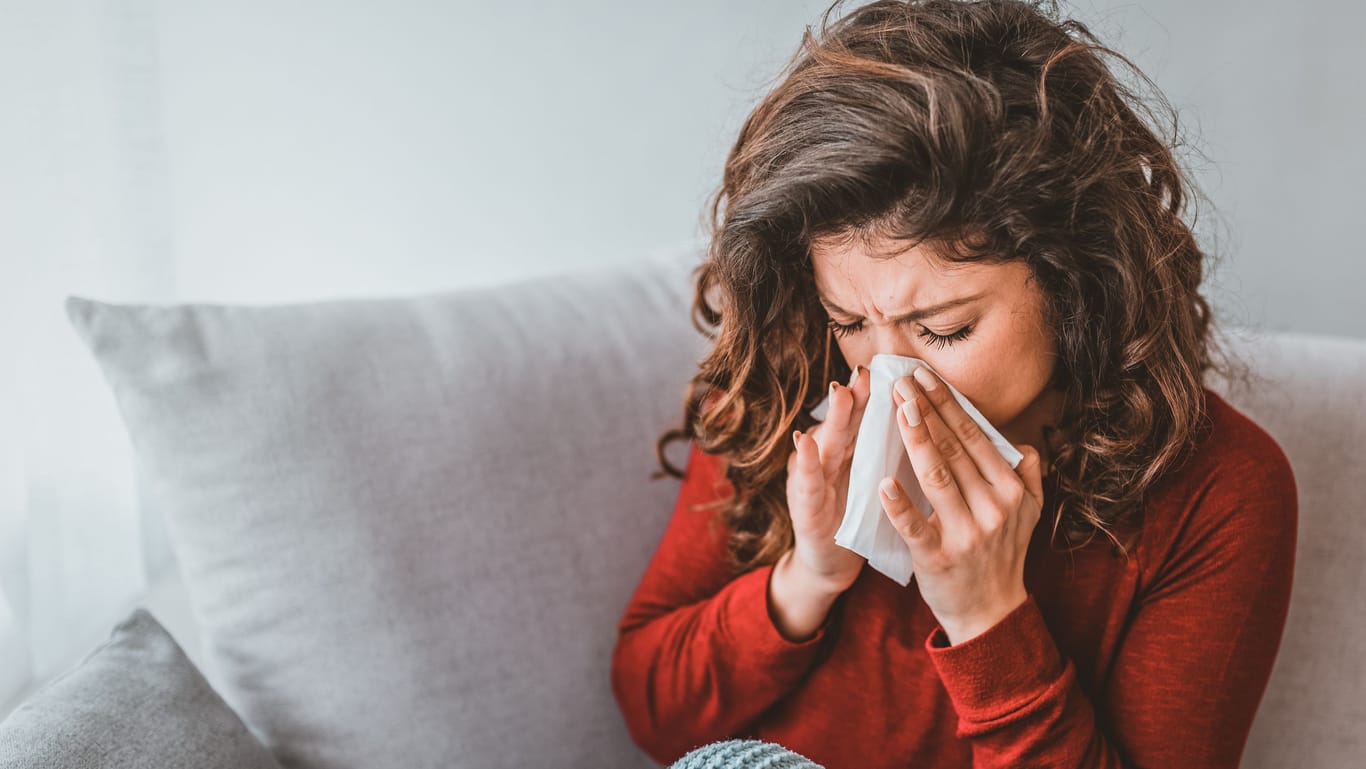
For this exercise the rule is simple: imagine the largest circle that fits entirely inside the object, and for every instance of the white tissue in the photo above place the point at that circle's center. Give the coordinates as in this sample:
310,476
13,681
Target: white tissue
878,453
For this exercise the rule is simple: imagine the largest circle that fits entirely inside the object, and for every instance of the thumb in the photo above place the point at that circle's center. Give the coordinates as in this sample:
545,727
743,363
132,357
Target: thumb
1030,471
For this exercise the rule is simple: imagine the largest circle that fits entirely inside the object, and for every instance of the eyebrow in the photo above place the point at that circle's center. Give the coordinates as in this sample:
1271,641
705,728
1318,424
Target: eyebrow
914,315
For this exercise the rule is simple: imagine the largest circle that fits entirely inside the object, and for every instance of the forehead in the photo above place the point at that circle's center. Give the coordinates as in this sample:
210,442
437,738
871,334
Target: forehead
852,266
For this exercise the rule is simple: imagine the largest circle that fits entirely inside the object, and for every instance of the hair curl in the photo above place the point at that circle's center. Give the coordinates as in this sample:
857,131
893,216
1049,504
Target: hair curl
994,131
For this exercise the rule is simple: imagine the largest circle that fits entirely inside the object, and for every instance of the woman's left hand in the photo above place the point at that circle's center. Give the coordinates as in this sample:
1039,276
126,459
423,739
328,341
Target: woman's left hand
969,553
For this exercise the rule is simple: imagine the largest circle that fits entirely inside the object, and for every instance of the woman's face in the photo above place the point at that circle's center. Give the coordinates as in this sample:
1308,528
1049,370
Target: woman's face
998,353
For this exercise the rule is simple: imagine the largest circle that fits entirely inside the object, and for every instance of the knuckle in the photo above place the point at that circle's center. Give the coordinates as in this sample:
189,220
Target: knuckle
938,476
804,481
1014,494
850,429
949,448
993,520
968,429
971,542
907,526
808,485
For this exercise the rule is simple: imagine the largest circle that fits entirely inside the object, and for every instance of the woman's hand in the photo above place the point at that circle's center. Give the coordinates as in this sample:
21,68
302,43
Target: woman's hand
969,553
818,486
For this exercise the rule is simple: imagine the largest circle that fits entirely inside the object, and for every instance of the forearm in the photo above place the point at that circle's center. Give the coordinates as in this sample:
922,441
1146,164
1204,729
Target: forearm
704,671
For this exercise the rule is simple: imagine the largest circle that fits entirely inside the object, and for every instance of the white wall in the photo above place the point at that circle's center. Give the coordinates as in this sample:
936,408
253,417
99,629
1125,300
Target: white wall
323,148
318,148
1272,96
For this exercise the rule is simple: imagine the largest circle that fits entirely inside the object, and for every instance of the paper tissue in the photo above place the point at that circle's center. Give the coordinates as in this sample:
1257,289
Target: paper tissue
878,453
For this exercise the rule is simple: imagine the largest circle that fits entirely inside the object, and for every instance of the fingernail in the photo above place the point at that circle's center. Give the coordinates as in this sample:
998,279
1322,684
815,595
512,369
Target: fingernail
904,389
889,488
925,378
796,433
912,413
854,376
833,387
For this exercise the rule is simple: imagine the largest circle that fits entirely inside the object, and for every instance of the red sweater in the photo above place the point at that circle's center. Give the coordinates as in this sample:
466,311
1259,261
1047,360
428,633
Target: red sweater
1160,661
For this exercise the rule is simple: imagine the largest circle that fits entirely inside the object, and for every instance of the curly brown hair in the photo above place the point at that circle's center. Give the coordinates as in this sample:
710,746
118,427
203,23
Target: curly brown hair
994,131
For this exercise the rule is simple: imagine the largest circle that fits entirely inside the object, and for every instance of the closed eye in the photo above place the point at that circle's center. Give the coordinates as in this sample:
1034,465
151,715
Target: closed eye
941,340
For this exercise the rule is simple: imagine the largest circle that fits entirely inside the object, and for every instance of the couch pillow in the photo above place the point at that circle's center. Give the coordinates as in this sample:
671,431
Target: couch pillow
134,701
408,526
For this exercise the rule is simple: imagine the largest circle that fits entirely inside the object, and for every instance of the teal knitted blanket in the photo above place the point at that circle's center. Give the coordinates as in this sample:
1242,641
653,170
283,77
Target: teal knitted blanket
743,754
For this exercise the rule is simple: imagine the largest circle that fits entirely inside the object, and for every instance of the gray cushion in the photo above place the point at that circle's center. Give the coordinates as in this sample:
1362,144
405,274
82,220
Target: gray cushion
407,526
134,701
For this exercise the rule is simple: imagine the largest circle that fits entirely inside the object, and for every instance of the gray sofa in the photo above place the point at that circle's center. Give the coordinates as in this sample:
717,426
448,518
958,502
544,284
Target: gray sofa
407,527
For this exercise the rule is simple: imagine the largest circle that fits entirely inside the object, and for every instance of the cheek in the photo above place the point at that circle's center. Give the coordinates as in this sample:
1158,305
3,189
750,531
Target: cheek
1001,374
852,353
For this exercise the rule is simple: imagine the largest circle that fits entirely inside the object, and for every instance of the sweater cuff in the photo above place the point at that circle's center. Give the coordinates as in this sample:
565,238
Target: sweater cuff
750,624
992,673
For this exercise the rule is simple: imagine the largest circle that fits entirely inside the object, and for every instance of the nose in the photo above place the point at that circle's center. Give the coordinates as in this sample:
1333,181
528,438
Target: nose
887,339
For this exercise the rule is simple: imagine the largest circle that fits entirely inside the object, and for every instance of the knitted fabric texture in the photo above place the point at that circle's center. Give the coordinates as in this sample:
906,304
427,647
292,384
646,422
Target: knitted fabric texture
743,754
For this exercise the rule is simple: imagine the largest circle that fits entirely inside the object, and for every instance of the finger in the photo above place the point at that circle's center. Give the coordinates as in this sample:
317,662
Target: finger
836,435
806,481
837,430
860,384
858,388
932,469
910,522
975,489
991,465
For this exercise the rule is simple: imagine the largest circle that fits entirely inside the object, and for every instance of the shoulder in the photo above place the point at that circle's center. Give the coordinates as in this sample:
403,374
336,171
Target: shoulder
1230,444
1243,457
706,472
1236,489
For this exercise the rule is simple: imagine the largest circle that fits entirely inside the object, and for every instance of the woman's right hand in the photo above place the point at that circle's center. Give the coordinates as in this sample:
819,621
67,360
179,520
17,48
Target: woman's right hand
818,486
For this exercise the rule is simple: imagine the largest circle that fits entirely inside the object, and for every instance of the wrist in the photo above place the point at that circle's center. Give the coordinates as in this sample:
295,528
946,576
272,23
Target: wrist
814,581
797,609
959,630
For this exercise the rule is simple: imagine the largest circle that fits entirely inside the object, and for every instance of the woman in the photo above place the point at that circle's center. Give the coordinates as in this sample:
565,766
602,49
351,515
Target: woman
968,184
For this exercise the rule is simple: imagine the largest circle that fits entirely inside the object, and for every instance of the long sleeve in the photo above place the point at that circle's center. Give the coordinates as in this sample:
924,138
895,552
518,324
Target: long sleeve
698,656
1197,654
